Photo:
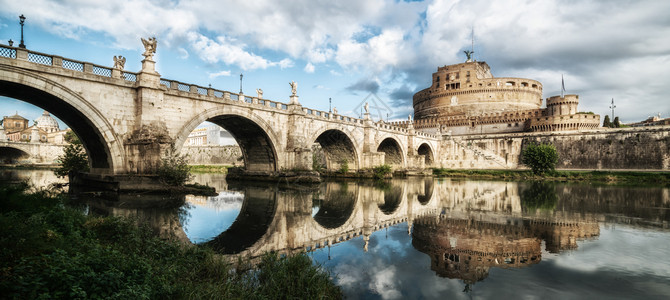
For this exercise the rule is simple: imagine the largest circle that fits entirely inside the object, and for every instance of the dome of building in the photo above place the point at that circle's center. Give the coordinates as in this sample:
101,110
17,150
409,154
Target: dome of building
47,123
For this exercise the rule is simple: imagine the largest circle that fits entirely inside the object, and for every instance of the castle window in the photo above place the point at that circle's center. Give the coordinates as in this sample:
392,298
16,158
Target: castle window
24,137
438,79
516,124
534,86
509,125
509,83
524,84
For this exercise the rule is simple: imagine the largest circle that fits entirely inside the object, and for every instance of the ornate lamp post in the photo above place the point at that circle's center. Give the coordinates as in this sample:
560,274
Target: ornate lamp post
241,83
22,20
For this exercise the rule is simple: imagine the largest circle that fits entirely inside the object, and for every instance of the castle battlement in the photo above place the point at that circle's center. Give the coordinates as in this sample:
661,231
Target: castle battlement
466,98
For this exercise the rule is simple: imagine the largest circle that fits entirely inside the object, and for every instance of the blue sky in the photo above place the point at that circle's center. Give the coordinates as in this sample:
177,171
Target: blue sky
346,50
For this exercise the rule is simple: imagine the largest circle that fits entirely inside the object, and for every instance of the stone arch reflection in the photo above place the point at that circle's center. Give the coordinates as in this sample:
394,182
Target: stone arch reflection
333,205
256,216
392,196
428,186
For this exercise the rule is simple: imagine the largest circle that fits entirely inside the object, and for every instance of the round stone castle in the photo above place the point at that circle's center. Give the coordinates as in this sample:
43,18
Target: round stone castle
467,99
470,89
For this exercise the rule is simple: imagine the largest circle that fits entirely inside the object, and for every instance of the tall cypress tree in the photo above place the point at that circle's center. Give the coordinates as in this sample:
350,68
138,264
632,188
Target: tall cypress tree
607,122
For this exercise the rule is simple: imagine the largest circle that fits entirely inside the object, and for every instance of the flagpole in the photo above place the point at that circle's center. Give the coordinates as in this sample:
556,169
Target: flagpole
562,87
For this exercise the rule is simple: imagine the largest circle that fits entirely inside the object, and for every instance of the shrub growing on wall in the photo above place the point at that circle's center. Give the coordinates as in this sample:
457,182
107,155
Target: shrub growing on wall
540,157
174,169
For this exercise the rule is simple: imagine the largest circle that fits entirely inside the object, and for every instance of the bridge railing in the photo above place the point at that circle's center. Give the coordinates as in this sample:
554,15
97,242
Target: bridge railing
178,86
60,62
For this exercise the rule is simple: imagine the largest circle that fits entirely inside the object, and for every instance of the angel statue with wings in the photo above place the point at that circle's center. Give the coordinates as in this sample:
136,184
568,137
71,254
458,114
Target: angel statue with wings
149,47
119,62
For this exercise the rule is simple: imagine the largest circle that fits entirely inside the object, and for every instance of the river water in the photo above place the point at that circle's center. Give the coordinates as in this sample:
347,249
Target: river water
426,238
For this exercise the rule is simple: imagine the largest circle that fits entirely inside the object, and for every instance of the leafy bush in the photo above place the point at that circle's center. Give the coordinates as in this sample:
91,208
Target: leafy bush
344,166
174,169
540,158
381,171
74,156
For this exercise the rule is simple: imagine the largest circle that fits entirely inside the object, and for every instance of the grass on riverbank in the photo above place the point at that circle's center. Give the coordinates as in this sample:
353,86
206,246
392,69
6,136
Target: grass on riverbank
222,169
630,177
51,250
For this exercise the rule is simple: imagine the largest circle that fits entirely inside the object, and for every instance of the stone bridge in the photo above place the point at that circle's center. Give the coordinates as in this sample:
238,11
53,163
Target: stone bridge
128,120
29,153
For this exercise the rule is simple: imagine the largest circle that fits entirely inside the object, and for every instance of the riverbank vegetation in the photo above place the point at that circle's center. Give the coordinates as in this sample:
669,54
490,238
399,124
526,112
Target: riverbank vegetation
540,158
220,169
625,177
52,250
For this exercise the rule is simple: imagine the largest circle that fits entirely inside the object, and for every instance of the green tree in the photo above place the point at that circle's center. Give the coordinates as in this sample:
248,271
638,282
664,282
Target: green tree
74,158
540,158
174,169
616,123
606,122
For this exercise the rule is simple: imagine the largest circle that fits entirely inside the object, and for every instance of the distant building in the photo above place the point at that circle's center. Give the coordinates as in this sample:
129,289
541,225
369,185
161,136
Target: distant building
210,135
45,129
467,99
651,121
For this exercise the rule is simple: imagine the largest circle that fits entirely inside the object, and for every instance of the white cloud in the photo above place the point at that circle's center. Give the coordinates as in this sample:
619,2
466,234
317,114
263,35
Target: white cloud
285,63
227,51
309,68
219,74
392,39
183,54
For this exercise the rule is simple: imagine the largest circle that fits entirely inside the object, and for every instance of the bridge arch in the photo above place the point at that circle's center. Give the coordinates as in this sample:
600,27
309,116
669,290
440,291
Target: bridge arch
426,150
257,140
10,155
104,148
395,156
339,146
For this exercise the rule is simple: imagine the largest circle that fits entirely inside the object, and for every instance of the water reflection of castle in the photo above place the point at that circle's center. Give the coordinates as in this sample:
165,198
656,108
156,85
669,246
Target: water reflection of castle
468,248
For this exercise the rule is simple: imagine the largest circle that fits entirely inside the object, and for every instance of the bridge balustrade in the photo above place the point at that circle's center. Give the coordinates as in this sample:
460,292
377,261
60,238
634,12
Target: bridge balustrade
57,61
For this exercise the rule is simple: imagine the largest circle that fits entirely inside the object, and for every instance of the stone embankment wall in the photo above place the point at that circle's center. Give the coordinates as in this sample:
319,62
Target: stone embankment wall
622,148
213,155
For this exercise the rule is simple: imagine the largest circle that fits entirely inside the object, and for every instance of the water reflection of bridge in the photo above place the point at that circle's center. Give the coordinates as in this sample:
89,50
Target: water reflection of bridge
466,227
293,220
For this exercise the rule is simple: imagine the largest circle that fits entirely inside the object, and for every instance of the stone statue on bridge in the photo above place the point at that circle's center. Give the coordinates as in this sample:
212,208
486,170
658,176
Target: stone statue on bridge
149,47
119,62
260,93
367,108
294,88
334,110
